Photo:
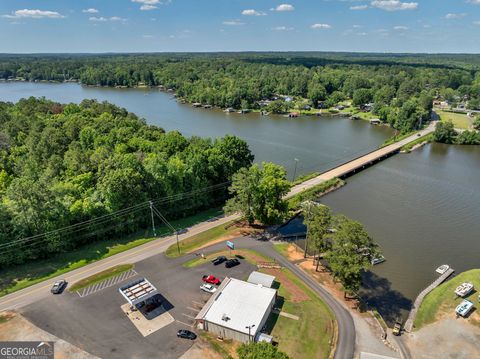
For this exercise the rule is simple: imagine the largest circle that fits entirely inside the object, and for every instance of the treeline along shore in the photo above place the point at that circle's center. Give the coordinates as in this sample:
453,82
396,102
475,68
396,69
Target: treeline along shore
397,89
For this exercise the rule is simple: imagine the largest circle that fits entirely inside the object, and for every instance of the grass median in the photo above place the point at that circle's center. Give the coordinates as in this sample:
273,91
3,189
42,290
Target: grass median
100,277
222,232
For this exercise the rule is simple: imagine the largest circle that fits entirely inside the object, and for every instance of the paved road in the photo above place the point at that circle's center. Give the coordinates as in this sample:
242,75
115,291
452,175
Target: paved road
404,352
346,329
41,290
359,162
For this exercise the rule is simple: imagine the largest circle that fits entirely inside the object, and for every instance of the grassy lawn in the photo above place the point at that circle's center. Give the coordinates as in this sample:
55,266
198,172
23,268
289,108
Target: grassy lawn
18,277
442,300
250,256
309,337
226,348
460,120
409,146
100,277
313,192
282,248
216,234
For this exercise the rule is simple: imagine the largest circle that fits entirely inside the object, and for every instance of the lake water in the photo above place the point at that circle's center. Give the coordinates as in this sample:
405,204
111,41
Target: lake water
317,143
422,208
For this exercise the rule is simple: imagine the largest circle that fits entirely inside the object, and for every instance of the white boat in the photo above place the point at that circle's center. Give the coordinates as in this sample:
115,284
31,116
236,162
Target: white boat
442,269
378,260
464,307
464,289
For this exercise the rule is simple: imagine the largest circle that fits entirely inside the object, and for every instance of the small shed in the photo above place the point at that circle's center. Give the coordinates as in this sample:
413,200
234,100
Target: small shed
263,279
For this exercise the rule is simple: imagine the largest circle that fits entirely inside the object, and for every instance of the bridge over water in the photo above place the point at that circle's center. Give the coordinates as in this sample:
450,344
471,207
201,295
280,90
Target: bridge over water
358,164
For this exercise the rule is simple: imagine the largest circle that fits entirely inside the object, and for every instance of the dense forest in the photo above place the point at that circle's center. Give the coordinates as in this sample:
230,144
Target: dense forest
95,166
401,87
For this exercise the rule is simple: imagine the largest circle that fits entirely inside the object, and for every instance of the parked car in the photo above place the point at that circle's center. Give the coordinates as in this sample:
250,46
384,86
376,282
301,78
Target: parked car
210,279
186,334
219,260
397,328
232,263
59,286
209,288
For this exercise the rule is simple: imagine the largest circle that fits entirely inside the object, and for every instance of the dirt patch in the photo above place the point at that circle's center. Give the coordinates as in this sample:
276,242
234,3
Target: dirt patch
296,293
323,276
17,328
446,312
201,350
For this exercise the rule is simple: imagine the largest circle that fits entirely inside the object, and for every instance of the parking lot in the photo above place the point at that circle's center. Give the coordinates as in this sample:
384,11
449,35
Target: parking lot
97,324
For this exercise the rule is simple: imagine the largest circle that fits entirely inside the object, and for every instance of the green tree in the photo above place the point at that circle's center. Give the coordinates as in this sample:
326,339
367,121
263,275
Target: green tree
351,252
260,350
258,193
444,132
362,96
318,219
476,124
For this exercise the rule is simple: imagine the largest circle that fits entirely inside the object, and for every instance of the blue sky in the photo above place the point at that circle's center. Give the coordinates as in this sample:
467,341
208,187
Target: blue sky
238,25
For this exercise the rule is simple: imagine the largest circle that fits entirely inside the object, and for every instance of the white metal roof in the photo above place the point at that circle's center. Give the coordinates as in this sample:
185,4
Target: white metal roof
138,291
261,278
238,304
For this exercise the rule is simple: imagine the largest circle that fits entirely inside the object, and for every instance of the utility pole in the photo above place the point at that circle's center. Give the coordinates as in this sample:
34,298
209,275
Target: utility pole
153,221
164,220
295,170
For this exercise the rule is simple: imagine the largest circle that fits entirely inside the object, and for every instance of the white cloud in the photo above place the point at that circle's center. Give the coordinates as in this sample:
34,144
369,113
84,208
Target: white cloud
233,23
321,26
476,23
282,28
150,4
104,19
357,26
362,34
90,11
474,2
252,12
94,18
34,14
146,7
147,36
400,28
452,16
394,5
283,7
359,7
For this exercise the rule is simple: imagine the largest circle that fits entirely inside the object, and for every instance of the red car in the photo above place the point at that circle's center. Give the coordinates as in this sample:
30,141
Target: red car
210,279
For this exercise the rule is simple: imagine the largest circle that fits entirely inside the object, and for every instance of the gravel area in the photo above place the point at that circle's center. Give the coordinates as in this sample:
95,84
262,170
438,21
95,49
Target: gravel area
447,338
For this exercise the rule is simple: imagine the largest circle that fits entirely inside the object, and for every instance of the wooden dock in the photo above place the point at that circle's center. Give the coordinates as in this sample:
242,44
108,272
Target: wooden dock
421,296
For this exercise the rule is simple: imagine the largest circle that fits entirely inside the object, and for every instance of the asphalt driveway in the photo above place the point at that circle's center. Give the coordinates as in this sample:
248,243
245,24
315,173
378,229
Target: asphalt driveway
96,323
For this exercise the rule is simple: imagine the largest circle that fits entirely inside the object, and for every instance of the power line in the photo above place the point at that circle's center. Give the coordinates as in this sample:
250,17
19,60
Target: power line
107,217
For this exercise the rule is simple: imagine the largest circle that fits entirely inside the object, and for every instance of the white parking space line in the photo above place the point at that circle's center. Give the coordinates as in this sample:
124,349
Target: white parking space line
193,309
106,283
188,325
188,316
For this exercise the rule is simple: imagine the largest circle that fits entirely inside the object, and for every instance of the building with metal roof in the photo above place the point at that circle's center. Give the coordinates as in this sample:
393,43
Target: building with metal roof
237,310
261,278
